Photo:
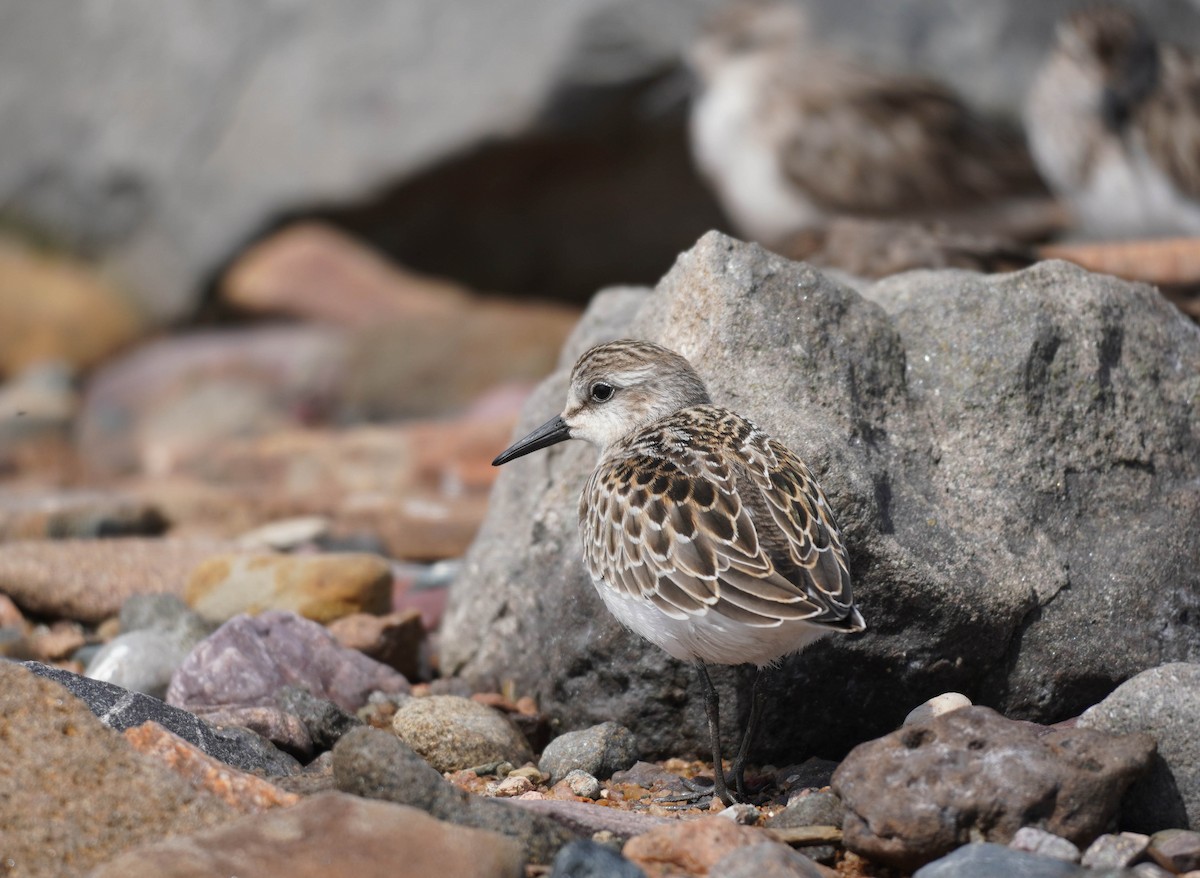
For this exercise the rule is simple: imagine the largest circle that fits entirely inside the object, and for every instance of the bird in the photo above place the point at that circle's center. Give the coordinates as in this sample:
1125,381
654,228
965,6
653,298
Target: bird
790,135
1113,119
700,532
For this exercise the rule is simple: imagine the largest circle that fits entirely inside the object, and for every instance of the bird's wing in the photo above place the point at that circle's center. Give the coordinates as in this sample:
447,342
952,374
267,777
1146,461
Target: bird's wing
899,145
1171,121
678,528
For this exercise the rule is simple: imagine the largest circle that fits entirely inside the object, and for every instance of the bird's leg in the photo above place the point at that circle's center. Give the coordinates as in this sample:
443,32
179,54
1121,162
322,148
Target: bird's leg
712,707
739,764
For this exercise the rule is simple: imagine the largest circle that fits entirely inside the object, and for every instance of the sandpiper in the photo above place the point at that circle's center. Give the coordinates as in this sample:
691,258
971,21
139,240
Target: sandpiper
1114,124
790,134
701,533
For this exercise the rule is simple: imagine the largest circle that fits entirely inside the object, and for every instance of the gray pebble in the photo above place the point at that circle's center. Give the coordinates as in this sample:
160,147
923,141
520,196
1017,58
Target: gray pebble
599,750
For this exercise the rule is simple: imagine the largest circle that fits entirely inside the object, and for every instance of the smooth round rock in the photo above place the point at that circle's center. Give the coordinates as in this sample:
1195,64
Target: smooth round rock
599,750
454,733
936,706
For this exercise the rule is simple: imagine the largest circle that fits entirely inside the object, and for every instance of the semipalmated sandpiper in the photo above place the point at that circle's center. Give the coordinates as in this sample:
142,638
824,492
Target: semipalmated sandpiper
790,134
1114,124
701,532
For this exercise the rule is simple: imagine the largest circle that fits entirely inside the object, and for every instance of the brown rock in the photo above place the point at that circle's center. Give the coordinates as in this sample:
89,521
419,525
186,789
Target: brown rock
177,398
10,615
52,309
283,729
972,775
331,835
422,487
243,792
318,587
407,324
693,846
73,793
1176,850
394,639
89,580
313,271
55,642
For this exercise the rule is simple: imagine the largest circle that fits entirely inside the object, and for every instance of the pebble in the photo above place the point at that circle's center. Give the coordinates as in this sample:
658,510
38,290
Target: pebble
693,846
513,785
816,808
936,706
453,733
58,514
395,639
587,859
1045,844
599,750
1177,850
582,784
322,587
1115,851
158,631
286,534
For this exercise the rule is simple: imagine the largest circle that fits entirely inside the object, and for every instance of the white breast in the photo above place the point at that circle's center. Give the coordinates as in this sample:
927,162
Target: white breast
739,155
709,637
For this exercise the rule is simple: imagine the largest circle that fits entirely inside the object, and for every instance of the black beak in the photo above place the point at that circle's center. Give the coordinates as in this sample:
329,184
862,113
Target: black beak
550,433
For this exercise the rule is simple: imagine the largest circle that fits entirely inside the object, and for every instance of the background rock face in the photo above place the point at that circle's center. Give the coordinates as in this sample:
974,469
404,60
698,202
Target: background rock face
161,138
1014,461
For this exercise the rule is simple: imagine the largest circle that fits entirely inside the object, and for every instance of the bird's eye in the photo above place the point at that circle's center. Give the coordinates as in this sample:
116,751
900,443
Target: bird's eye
602,392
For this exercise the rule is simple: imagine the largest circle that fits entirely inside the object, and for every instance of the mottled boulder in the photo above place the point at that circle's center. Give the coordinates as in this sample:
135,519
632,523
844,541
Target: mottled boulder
73,793
972,775
1165,702
1014,460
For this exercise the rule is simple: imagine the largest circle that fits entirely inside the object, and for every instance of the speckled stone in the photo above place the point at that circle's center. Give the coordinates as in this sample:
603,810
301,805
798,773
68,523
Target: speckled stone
453,733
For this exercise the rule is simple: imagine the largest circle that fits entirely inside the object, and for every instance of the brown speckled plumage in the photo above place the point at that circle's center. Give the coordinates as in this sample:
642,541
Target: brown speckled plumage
701,532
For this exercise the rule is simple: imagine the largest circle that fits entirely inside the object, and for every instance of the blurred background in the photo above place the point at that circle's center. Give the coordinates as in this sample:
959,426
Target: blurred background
261,260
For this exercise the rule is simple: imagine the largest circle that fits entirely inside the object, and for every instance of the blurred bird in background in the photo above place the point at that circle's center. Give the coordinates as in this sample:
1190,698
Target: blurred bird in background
1113,121
789,135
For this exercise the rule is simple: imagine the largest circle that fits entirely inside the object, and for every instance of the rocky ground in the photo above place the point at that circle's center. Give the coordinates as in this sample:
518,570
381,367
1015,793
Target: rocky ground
258,614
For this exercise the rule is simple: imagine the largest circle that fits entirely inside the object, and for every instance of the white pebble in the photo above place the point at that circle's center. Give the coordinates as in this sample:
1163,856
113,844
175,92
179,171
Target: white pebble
936,706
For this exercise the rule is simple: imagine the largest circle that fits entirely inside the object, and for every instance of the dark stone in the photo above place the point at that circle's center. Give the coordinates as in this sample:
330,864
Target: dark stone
599,750
325,721
378,765
918,793
587,859
814,809
1004,454
648,775
983,860
121,709
810,774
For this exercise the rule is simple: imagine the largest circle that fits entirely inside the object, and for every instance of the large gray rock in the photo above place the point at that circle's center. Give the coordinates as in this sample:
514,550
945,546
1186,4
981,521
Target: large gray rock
159,137
1014,460
1165,702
